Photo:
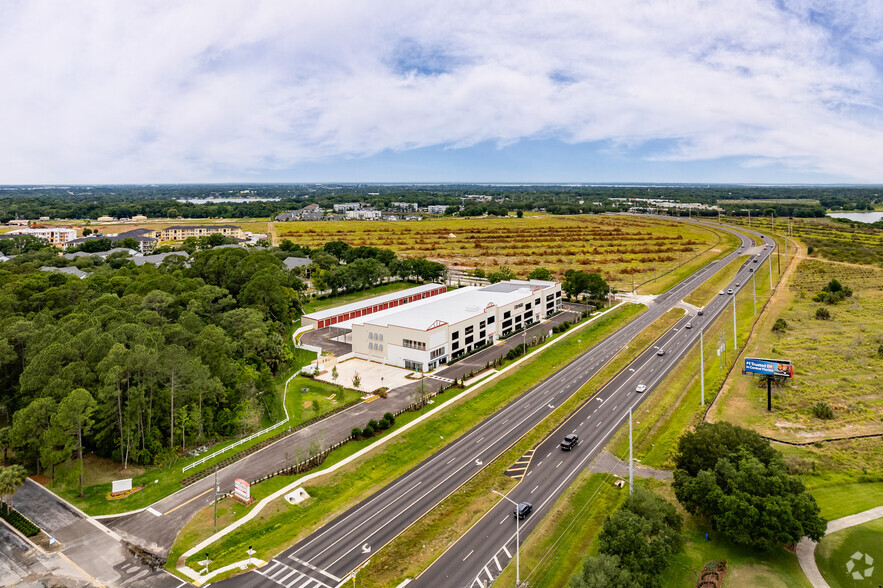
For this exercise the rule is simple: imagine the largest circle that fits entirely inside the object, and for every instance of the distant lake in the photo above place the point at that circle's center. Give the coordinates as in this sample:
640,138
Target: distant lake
218,200
861,217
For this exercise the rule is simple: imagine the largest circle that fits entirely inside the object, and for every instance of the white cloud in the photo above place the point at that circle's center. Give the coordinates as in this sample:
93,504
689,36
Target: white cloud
150,91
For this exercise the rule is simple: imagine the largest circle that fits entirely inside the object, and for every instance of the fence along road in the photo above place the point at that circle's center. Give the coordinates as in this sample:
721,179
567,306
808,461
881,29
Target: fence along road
329,555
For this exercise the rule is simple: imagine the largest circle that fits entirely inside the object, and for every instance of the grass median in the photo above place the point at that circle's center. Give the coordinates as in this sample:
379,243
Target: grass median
417,547
725,244
714,285
280,525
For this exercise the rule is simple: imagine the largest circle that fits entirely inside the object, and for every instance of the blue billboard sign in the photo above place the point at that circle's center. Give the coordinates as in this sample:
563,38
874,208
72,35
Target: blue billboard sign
769,367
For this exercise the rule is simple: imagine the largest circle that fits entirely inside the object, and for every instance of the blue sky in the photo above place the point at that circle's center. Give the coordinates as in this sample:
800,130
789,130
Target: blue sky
756,91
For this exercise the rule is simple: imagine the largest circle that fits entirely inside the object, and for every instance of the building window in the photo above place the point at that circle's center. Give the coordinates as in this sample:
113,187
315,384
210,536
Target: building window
380,347
418,345
370,335
491,319
482,324
537,301
468,340
507,314
469,330
527,306
481,335
507,324
558,294
455,335
436,353
455,346
413,365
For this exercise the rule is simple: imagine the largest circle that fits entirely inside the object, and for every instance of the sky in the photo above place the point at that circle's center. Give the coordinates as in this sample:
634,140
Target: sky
745,91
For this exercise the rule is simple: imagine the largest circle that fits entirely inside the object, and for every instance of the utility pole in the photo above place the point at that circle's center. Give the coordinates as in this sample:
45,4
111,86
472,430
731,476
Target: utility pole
701,368
749,218
771,271
754,289
631,460
734,322
216,500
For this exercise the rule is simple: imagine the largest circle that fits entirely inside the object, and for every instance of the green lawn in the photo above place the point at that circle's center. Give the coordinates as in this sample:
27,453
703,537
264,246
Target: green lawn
848,499
711,288
746,567
281,525
861,545
321,304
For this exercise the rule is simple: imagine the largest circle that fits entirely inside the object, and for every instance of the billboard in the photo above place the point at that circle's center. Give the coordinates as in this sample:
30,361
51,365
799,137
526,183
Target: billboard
769,367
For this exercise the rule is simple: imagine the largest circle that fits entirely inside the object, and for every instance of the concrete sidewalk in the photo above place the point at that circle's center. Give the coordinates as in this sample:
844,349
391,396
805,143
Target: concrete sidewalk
806,549
93,549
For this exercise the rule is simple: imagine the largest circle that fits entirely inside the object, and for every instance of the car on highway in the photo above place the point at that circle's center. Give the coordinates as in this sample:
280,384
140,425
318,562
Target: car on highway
751,269
729,290
721,293
523,509
640,388
570,441
738,284
688,326
660,352
701,312
755,260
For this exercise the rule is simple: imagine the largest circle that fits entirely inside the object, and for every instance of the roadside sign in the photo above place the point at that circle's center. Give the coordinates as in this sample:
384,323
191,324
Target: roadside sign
121,485
769,367
241,489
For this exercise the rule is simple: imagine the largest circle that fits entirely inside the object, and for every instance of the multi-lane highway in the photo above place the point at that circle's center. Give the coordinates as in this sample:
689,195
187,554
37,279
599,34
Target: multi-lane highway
480,555
328,556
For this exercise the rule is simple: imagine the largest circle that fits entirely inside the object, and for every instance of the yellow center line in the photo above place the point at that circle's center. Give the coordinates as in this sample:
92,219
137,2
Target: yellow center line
87,574
188,502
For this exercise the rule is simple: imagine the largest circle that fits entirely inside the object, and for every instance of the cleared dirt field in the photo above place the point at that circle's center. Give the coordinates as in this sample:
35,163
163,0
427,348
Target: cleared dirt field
614,246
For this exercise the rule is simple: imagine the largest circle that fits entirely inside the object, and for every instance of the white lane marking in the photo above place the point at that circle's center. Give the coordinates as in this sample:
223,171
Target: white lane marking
306,583
480,440
598,425
509,555
550,453
315,569
153,511
559,463
488,572
452,460
539,464
614,408
496,561
467,555
504,520
534,489
288,575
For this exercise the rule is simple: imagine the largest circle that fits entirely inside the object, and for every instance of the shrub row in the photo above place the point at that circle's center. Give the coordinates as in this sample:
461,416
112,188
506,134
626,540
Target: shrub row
17,520
373,427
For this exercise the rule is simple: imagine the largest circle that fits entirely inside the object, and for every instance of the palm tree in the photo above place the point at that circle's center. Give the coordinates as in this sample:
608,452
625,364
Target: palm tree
11,479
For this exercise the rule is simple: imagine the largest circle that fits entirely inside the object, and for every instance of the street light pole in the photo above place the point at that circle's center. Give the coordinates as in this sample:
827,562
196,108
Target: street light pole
754,289
216,500
702,367
517,539
734,322
631,458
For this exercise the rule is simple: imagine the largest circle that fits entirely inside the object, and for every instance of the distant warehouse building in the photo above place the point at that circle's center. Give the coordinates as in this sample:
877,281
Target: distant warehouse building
425,334
346,312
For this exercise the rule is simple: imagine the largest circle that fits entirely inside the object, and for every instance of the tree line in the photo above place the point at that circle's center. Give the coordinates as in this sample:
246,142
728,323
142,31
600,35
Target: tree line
150,358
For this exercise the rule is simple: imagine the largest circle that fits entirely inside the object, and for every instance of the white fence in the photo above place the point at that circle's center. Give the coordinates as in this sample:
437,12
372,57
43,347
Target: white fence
247,439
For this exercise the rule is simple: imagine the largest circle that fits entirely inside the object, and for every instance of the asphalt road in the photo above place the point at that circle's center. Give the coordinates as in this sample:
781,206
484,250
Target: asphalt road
156,528
483,552
328,556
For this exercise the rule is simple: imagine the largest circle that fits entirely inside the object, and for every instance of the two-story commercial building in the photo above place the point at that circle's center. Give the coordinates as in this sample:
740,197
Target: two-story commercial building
429,332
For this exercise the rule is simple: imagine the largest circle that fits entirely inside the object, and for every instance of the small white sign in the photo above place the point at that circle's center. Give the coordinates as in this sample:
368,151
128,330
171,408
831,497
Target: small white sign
241,489
121,485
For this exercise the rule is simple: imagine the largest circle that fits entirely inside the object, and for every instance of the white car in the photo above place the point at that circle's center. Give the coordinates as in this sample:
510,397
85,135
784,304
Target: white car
721,293
640,388
688,326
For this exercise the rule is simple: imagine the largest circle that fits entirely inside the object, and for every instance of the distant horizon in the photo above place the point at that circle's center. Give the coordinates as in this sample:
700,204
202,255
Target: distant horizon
451,184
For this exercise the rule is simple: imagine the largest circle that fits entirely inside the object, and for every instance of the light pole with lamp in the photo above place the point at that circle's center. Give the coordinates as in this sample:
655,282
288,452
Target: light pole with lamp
517,538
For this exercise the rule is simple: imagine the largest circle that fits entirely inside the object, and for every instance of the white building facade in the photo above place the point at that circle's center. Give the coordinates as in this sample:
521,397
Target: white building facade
55,235
428,333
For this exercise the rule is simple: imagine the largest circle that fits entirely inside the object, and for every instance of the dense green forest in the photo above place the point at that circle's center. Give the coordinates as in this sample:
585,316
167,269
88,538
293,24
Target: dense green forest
141,362
81,202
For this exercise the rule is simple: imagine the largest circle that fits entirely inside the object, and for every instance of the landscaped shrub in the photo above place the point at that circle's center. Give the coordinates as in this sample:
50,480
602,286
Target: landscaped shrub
356,433
368,431
373,424
17,520
823,314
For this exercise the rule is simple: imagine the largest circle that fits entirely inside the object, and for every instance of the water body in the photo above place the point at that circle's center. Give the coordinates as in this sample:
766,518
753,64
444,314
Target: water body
220,200
860,217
